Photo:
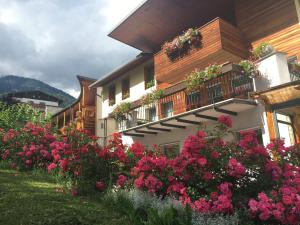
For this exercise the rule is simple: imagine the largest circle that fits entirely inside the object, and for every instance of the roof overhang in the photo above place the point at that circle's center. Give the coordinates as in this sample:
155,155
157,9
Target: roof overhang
279,94
140,59
157,21
207,113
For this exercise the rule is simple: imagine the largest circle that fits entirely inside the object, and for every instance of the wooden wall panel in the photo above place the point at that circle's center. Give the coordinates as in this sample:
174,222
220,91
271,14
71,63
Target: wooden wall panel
273,21
221,42
271,125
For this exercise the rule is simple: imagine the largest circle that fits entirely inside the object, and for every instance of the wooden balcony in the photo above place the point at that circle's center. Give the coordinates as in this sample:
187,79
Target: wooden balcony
232,83
221,42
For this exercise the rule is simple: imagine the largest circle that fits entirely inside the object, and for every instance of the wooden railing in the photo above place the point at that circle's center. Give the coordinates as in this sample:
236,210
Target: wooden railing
231,84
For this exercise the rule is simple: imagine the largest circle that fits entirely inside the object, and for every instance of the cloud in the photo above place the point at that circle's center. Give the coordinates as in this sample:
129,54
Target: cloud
55,40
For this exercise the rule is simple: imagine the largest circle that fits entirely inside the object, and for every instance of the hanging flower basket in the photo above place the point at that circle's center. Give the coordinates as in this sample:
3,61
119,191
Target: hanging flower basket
181,45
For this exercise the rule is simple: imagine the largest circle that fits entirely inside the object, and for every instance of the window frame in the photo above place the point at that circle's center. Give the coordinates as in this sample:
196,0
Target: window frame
112,95
149,75
125,86
164,110
278,121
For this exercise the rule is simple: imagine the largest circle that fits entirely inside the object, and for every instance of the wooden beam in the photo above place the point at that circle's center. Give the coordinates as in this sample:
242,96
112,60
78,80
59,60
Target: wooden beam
225,111
144,132
206,117
159,129
187,121
136,135
64,118
172,125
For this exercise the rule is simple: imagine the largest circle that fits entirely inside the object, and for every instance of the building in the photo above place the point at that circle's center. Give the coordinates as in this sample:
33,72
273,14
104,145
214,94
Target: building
226,31
80,113
37,99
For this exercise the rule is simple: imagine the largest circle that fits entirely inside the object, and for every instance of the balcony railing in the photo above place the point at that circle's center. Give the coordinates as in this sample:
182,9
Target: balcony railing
294,72
231,84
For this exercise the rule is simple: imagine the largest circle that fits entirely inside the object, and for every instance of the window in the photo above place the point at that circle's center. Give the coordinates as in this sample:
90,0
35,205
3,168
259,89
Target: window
152,114
285,128
112,95
149,76
294,68
193,100
125,88
170,150
215,93
167,109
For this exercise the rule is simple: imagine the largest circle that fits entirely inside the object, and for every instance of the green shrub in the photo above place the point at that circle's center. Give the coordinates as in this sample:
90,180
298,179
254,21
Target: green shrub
262,50
152,97
120,110
196,79
16,116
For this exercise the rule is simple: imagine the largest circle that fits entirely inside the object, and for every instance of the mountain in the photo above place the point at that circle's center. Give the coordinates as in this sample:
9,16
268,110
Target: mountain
11,83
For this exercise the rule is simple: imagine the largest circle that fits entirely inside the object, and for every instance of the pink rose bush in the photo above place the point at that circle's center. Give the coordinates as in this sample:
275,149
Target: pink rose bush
210,175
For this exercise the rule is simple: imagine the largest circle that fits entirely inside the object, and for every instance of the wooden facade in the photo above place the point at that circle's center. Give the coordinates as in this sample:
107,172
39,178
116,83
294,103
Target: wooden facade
81,114
221,42
272,21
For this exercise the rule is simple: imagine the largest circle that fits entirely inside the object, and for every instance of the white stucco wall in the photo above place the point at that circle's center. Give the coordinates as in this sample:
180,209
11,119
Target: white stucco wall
99,131
137,89
274,71
250,119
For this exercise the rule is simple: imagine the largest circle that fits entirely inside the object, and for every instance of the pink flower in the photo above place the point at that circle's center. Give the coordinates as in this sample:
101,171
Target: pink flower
64,164
253,205
207,176
202,206
139,182
264,215
202,161
235,169
226,120
277,214
121,180
6,154
215,155
100,185
153,184
51,167
287,200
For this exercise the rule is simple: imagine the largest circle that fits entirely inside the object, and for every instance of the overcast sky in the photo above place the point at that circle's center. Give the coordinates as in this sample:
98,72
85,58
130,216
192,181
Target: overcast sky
54,40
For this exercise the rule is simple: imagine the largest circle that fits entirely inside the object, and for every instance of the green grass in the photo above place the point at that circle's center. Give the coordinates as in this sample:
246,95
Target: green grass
33,199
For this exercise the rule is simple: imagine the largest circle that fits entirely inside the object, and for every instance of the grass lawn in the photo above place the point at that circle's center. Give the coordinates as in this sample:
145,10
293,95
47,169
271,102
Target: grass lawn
31,199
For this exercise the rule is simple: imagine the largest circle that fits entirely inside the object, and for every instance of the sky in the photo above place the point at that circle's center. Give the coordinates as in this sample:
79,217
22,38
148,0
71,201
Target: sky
55,40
